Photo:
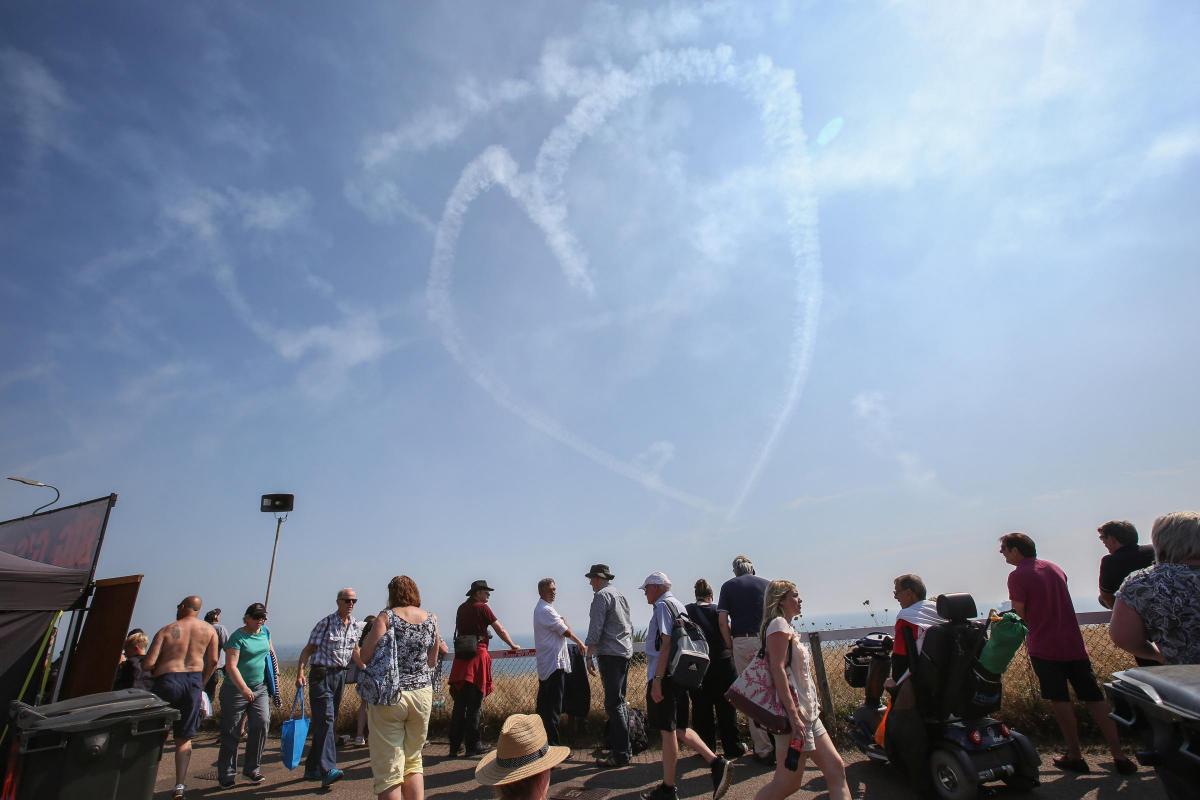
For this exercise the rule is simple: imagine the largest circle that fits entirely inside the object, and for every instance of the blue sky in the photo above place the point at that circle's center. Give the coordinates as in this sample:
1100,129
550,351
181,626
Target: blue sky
502,290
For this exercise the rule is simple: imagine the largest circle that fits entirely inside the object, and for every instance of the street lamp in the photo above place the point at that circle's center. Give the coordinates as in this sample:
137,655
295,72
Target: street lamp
32,482
279,504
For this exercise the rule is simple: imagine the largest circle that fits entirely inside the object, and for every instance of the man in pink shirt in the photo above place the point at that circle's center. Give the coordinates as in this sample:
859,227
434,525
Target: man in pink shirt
1038,591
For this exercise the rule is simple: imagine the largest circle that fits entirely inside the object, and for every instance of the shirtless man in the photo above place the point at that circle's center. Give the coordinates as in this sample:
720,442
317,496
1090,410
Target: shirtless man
182,658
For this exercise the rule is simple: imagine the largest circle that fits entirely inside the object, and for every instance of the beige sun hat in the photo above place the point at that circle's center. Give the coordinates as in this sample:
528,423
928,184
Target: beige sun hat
521,752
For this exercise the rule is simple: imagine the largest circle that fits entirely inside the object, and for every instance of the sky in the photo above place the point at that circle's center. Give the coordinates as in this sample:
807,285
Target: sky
504,290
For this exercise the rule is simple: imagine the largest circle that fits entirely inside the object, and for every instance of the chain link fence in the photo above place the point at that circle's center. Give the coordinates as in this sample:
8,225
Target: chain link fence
1022,707
514,676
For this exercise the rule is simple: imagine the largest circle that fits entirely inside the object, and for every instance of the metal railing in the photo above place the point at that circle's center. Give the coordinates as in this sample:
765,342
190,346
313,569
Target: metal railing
515,682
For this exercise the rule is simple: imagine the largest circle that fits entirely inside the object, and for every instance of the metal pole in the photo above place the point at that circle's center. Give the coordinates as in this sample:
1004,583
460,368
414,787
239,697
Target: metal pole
271,574
72,634
818,659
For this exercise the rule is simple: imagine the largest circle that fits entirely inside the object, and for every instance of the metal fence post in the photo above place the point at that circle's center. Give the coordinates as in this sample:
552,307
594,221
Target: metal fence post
814,643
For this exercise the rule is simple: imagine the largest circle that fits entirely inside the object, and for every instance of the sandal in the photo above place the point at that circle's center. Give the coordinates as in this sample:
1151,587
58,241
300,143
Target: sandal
1067,764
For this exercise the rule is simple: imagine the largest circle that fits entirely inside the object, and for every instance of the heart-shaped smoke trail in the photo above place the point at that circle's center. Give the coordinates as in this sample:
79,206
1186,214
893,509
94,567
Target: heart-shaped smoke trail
540,195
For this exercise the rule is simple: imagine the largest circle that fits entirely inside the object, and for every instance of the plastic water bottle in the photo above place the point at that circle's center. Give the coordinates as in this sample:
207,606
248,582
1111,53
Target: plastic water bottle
795,748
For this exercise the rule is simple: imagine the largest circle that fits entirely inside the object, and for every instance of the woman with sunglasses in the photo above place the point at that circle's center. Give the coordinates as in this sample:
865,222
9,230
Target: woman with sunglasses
244,693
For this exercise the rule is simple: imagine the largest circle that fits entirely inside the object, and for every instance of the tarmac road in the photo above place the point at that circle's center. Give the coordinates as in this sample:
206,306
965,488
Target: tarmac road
455,778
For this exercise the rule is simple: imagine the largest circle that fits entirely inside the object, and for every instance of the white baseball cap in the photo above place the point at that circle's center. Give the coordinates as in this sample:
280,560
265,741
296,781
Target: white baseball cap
656,579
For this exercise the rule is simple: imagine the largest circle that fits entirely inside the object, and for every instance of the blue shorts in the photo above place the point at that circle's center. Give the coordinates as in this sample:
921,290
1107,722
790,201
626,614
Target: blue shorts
182,691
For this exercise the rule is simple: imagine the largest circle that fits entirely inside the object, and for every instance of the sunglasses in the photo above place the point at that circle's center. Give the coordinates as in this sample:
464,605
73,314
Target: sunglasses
350,600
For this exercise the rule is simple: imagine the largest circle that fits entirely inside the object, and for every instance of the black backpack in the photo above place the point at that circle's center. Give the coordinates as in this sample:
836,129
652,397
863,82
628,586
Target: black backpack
638,741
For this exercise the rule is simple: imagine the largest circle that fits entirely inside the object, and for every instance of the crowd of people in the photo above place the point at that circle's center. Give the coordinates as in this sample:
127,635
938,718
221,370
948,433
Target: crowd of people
392,656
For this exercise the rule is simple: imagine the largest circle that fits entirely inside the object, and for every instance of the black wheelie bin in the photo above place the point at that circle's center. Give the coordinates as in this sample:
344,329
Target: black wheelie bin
1161,705
100,746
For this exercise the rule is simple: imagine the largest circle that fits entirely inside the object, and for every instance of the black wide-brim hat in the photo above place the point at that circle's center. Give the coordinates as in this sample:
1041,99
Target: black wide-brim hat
477,585
600,571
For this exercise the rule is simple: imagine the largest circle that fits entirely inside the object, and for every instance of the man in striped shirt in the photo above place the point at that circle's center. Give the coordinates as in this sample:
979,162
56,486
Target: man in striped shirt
331,649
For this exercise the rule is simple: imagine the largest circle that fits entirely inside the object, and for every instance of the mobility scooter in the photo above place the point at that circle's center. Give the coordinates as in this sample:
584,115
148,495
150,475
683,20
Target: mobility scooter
954,695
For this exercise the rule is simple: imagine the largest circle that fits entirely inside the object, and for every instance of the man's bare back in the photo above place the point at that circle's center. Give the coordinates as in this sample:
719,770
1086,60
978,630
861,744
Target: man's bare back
189,644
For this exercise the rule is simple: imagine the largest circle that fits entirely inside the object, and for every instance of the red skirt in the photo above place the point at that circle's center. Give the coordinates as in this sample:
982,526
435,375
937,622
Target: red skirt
476,670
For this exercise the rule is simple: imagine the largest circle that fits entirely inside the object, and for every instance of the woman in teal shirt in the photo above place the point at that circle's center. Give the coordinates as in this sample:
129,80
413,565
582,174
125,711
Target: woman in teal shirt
245,692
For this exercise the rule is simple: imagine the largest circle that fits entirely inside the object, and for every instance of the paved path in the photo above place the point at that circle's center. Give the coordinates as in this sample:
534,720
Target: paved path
448,778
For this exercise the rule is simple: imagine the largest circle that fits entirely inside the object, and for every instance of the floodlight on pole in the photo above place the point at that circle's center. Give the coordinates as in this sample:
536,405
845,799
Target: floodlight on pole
32,482
278,504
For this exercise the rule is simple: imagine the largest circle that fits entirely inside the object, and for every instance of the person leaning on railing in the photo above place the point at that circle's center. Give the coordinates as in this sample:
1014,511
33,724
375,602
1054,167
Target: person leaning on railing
1157,613
471,676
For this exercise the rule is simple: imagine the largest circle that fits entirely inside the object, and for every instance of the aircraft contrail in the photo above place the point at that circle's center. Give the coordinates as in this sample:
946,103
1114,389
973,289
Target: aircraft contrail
539,193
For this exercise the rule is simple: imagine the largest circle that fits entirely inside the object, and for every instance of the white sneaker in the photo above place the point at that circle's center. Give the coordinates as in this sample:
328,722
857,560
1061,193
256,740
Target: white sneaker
359,741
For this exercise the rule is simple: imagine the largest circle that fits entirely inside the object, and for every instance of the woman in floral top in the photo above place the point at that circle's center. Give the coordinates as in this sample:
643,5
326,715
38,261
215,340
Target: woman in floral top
399,651
1157,615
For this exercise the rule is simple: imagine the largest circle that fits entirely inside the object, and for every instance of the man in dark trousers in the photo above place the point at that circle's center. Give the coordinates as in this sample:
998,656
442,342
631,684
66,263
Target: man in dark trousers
739,613
550,636
610,642
331,650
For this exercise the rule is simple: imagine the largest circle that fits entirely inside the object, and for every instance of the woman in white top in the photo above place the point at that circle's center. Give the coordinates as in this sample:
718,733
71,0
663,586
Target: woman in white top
788,660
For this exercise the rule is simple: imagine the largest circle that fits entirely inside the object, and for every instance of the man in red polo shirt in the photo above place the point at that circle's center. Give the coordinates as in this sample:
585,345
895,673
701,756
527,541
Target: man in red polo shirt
1038,591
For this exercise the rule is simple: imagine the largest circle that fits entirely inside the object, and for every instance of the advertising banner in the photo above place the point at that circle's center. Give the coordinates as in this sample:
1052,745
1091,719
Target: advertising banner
65,537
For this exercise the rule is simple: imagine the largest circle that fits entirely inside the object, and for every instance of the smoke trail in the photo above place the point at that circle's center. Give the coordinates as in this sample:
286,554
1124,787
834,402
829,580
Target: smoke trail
541,195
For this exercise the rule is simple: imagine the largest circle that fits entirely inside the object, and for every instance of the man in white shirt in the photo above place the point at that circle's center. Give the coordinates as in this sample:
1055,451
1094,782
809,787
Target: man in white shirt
550,636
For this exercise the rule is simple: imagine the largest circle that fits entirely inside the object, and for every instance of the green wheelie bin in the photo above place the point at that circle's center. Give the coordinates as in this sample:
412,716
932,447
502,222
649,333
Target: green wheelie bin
97,747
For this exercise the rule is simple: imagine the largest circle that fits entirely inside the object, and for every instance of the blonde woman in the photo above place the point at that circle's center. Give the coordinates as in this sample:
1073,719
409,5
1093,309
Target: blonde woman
788,660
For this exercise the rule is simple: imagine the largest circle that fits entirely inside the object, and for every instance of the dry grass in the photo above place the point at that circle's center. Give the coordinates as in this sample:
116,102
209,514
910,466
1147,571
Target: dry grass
516,692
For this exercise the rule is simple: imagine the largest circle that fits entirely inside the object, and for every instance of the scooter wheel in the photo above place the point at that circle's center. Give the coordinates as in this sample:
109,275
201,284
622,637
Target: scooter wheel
951,780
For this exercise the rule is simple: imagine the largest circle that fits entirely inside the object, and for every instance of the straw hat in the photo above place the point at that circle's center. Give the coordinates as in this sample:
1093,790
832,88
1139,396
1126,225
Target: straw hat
521,752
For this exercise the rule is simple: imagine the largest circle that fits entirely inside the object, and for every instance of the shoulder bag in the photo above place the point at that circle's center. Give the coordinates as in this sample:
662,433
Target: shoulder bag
753,693
465,645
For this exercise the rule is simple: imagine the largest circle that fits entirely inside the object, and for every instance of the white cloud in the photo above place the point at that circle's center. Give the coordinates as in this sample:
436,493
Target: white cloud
38,101
879,435
25,375
270,212
1173,148
655,457
382,201
990,72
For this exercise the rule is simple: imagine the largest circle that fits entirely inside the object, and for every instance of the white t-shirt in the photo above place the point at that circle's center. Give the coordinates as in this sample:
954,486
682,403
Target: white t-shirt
548,638
800,669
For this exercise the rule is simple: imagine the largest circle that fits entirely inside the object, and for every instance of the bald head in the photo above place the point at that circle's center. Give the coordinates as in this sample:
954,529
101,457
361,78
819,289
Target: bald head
188,606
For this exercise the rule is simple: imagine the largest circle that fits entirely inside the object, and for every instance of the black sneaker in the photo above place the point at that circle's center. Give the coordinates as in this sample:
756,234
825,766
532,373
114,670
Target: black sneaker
612,762
255,777
661,792
722,774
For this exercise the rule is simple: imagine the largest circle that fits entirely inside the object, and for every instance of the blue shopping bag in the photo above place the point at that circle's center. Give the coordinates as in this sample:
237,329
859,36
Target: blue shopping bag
295,732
